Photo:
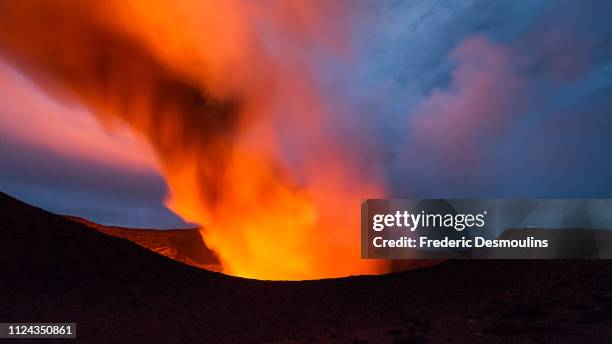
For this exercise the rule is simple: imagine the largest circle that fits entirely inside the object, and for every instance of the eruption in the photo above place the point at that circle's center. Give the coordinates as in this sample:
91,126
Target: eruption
224,94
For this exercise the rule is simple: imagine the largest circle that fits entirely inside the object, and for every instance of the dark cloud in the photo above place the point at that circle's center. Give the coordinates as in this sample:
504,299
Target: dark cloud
70,185
459,122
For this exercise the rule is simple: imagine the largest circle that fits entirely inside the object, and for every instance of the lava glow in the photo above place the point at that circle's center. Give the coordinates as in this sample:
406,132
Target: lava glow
215,87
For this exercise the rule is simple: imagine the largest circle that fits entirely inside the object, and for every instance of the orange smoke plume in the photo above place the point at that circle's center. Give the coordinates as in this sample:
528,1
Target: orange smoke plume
209,85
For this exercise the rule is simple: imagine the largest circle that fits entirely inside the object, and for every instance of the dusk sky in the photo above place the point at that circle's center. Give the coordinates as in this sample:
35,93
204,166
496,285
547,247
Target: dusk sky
442,99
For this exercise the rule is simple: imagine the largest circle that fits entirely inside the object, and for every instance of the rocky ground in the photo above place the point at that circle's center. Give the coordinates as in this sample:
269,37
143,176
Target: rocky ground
56,270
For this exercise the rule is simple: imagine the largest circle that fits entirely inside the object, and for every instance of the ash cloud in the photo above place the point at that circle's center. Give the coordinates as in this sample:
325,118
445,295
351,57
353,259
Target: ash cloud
495,100
214,88
74,55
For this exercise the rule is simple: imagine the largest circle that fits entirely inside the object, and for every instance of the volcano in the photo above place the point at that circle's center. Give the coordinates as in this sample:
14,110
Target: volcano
56,269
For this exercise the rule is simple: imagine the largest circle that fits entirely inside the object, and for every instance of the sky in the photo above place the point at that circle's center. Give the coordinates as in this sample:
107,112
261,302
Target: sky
444,99
60,158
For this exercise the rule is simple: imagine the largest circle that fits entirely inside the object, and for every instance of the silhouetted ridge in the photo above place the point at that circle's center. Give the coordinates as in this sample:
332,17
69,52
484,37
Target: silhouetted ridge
57,270
40,247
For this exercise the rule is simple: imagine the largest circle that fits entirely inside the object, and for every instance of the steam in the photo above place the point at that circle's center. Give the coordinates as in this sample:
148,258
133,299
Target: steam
211,87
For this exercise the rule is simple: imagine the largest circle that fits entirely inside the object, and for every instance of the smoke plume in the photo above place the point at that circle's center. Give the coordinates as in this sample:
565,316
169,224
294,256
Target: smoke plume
213,86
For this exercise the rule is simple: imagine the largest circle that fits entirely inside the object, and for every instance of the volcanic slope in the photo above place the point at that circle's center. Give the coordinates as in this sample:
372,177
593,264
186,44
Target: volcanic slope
56,270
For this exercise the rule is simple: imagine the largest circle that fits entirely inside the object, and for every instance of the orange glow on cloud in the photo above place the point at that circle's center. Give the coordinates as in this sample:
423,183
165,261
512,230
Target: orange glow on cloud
29,116
209,84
